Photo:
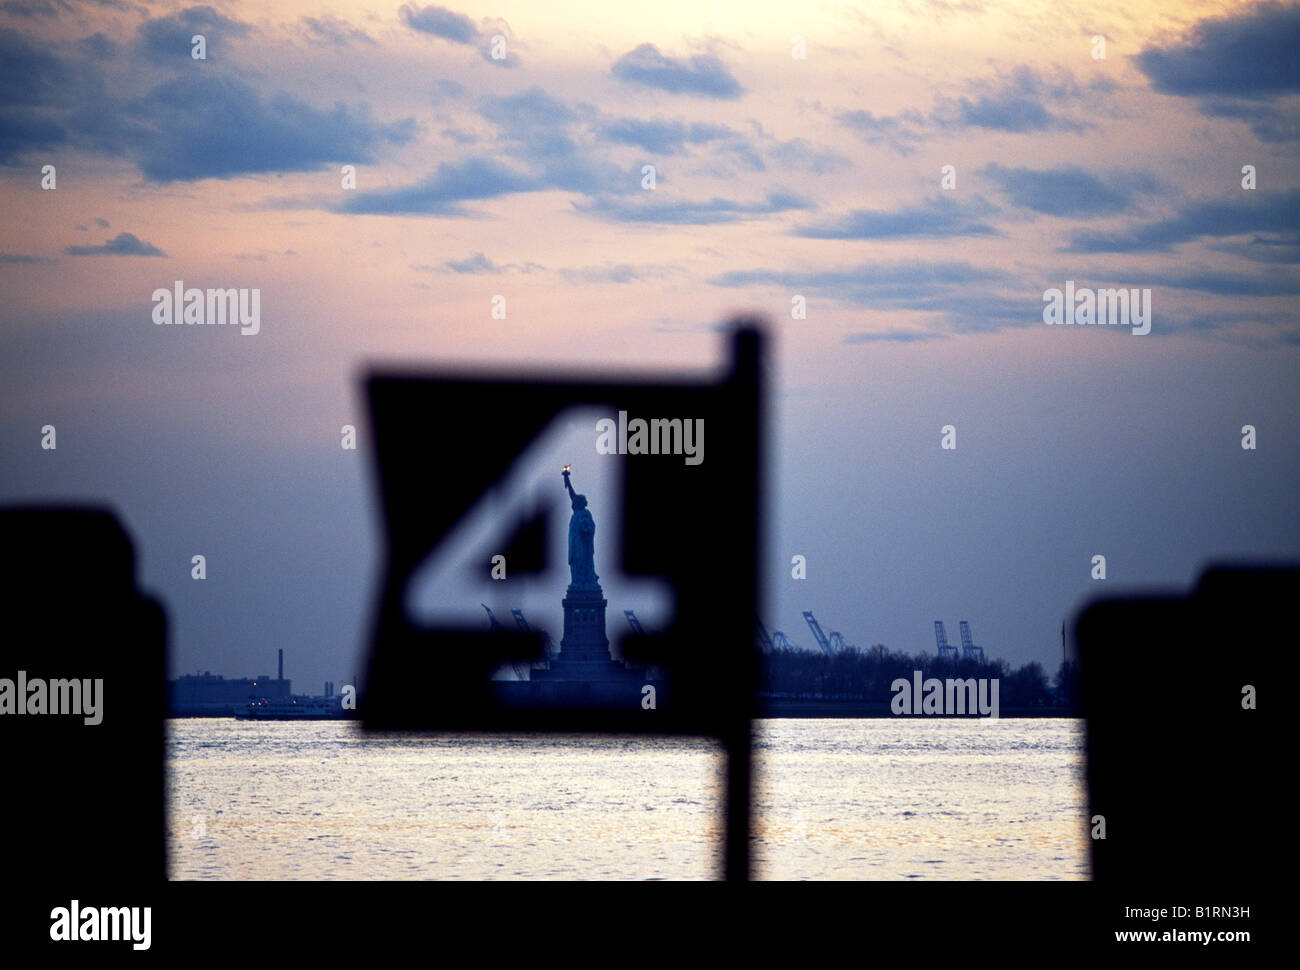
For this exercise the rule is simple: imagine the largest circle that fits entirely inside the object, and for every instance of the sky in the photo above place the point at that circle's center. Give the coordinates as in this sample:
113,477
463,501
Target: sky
798,151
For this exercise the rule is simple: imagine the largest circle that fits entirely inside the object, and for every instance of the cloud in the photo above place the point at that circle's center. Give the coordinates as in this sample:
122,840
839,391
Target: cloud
123,244
937,217
1222,283
970,299
15,259
477,264
25,131
29,8
456,28
659,136
169,38
1239,65
98,46
799,154
440,22
536,127
440,194
620,273
894,336
1249,212
702,75
32,76
207,126
1250,54
102,223
331,30
1064,191
1018,102
1271,123
1021,102
689,212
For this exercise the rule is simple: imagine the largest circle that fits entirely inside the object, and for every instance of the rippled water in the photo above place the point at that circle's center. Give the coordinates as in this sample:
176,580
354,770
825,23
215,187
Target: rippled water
843,799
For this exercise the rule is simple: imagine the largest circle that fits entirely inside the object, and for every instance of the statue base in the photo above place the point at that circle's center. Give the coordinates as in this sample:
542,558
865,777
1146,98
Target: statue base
584,638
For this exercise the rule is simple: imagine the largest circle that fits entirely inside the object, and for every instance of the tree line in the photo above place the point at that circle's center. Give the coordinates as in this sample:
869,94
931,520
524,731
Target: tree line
866,675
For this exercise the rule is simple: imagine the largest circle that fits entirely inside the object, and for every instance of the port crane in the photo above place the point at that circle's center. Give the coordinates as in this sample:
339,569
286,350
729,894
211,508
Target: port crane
968,649
633,622
520,622
829,644
521,668
775,641
946,652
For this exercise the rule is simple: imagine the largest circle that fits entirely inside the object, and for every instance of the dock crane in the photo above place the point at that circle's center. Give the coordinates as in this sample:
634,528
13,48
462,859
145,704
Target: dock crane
946,652
523,625
968,649
776,641
521,669
633,622
818,635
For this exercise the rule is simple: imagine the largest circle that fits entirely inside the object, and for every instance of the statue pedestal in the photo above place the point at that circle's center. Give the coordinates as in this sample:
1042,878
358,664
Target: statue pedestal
584,627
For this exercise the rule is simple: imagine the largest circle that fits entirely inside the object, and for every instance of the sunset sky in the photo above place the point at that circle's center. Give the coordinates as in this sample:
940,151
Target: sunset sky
776,176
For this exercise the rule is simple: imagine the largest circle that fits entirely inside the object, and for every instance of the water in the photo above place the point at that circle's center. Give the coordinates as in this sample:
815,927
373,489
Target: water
834,799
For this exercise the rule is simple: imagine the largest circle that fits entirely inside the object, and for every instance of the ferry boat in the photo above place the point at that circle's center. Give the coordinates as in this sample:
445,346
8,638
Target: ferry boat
294,709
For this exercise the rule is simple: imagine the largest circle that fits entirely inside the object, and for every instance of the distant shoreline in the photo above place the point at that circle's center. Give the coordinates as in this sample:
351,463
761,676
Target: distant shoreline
784,707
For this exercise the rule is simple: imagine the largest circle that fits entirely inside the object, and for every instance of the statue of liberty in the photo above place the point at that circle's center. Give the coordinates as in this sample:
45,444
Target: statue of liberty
582,541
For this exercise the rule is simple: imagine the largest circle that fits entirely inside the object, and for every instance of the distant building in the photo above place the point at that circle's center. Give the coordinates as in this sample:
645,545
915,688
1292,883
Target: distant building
210,695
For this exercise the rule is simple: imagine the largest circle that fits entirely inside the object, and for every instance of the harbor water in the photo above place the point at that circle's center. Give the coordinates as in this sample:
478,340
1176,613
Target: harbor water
882,799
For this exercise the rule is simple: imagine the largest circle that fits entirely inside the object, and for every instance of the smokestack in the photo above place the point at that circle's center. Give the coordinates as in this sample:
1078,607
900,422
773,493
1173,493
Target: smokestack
281,664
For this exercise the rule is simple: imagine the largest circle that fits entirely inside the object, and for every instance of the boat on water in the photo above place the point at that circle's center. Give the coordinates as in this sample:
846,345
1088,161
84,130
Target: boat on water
294,709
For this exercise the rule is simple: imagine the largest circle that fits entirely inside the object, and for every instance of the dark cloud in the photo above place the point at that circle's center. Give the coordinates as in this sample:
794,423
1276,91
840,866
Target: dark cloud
1064,191
14,259
207,126
1250,212
98,46
1022,101
901,132
801,155
969,299
328,29
169,38
1221,283
1284,250
688,212
32,76
1239,65
936,217
894,336
621,273
1249,54
702,75
539,130
1271,123
23,131
478,264
441,193
123,244
659,136
440,22
29,8
457,28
